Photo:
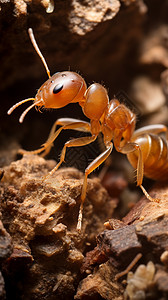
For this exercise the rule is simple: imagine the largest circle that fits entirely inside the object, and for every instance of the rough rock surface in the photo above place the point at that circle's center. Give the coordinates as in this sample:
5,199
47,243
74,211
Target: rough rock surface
41,218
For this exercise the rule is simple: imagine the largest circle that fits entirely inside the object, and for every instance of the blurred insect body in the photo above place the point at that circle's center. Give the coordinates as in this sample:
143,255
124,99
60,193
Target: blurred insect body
146,151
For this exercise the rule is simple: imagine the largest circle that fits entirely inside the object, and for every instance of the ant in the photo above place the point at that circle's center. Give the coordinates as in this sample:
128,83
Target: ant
146,151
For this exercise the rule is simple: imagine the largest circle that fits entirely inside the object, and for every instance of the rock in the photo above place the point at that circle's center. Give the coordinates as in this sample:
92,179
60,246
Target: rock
41,217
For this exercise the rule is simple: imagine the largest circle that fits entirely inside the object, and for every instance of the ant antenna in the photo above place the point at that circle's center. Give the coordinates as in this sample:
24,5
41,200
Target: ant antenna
27,110
32,38
18,104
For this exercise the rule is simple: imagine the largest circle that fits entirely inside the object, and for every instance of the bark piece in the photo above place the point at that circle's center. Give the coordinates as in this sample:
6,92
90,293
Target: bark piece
121,245
112,243
154,234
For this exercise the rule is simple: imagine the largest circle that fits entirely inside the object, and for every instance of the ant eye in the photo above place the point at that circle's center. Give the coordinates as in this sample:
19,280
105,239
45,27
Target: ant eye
58,88
63,75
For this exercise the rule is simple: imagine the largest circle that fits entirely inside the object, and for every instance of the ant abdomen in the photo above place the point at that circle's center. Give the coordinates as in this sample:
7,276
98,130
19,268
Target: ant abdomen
155,156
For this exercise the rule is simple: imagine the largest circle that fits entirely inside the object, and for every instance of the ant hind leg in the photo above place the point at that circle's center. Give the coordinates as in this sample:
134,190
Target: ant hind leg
128,148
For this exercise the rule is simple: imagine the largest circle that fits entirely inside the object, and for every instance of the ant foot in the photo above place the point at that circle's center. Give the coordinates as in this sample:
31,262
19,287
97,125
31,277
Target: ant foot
22,152
148,196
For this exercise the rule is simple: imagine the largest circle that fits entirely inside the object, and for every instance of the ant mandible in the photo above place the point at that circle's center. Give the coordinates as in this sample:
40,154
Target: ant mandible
146,151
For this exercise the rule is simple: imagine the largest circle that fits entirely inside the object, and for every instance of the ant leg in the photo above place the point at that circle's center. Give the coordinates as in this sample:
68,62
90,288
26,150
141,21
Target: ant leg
128,148
108,161
66,123
92,166
153,129
63,122
72,143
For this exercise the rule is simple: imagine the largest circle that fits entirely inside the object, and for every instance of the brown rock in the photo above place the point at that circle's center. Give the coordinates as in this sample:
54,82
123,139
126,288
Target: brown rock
41,217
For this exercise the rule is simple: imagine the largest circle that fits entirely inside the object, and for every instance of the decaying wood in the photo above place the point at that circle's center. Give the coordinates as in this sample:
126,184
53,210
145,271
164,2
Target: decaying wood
144,230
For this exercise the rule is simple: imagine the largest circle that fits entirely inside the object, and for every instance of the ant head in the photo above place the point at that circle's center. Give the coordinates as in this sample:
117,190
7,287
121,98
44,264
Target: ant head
61,89
58,91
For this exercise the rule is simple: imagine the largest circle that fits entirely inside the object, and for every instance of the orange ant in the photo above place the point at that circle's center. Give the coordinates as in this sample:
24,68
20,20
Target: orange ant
146,151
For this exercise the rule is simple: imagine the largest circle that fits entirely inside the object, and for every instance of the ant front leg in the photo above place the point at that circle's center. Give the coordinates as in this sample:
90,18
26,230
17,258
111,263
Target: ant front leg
92,166
66,123
73,143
